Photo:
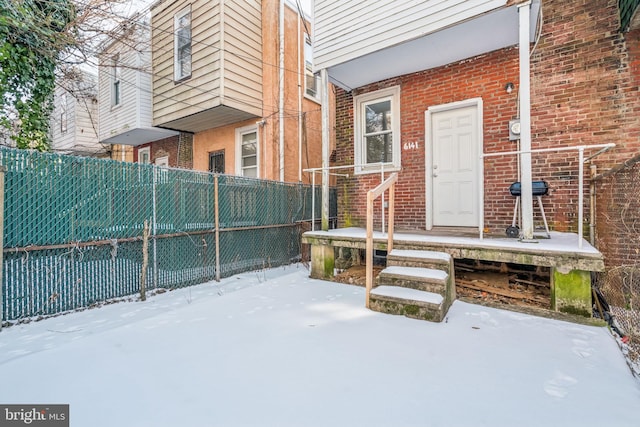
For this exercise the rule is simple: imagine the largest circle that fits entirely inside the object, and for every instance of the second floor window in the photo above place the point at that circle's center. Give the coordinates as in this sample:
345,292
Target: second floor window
63,113
115,81
311,79
182,45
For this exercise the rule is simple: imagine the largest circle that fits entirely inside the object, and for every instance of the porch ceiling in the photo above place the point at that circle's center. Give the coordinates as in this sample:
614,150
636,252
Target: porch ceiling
140,136
209,119
494,30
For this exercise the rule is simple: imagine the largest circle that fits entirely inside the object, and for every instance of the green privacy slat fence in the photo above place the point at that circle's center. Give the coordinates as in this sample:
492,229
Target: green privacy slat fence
627,8
73,227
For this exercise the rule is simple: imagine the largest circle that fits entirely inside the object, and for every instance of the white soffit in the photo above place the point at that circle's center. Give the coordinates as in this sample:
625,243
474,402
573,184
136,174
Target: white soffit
489,32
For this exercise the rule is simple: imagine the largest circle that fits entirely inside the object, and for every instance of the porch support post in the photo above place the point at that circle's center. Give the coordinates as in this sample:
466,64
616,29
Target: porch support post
326,153
571,292
322,261
526,195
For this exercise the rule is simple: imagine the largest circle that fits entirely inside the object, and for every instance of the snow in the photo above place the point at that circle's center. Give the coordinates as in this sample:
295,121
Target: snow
408,294
428,255
426,273
277,348
559,242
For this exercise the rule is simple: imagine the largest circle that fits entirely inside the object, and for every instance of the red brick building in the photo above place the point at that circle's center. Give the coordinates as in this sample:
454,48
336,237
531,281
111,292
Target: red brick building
585,74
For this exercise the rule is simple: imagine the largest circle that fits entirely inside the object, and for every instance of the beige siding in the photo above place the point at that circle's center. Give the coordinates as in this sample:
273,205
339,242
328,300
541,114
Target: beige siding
226,67
173,100
347,29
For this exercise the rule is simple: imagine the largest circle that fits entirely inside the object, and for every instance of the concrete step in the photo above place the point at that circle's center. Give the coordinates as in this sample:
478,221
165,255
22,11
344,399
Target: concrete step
409,302
416,258
419,278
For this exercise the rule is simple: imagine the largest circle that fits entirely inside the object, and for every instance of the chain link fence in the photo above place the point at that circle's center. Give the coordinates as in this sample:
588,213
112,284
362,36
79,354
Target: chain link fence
73,229
619,240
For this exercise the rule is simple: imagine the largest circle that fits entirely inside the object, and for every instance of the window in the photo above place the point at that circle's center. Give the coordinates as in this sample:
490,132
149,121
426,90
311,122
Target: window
115,81
182,44
247,151
63,113
216,162
377,129
144,155
162,161
311,80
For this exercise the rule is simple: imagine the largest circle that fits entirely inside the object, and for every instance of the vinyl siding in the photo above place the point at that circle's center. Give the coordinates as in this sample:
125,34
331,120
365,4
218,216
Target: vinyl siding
173,100
82,120
348,29
243,55
225,68
134,78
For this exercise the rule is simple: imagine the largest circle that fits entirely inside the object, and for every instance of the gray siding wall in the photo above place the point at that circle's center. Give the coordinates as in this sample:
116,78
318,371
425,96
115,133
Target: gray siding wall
347,29
134,110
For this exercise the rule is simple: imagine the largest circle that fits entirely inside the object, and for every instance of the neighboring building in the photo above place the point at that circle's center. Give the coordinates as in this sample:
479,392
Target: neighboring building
74,119
220,77
125,84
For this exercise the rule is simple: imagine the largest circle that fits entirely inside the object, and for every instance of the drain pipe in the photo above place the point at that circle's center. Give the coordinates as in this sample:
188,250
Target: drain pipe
281,90
300,95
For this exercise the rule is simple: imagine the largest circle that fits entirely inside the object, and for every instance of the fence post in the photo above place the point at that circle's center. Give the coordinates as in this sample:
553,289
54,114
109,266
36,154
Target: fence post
216,201
154,226
145,261
2,171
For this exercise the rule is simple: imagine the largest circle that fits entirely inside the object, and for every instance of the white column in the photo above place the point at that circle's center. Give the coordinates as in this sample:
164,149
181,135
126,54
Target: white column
326,152
526,197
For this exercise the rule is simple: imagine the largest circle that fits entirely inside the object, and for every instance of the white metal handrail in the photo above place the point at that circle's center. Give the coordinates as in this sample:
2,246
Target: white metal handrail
313,172
581,161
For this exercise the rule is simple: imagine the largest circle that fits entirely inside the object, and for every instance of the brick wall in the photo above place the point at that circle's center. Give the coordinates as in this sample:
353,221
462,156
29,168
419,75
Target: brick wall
179,149
618,203
583,92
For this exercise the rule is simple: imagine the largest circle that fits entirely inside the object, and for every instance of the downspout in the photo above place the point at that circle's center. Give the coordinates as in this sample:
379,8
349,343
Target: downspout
526,195
324,100
281,91
300,89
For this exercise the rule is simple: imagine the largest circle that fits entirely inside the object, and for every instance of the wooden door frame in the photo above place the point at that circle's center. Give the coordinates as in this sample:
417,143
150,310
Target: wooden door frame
428,162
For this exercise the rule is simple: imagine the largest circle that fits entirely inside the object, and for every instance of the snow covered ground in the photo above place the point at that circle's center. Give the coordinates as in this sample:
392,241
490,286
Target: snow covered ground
276,348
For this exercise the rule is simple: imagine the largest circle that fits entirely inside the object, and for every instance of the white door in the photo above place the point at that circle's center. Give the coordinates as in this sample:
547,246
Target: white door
454,168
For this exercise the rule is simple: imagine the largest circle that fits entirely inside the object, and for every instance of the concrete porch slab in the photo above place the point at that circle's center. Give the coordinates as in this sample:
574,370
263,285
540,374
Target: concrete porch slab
560,252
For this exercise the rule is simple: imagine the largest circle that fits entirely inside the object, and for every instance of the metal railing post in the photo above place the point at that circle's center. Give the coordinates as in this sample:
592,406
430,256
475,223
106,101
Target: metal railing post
313,201
580,193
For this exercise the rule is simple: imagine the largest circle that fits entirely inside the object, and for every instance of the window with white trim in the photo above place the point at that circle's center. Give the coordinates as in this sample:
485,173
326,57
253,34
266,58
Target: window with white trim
311,79
182,44
64,116
377,129
115,81
247,152
144,155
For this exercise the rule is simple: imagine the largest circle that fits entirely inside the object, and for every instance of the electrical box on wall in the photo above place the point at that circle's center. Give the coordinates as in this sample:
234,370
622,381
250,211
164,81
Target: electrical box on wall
514,129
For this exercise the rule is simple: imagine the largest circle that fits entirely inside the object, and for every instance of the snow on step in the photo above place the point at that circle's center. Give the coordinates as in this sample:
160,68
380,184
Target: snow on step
409,253
418,272
407,294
